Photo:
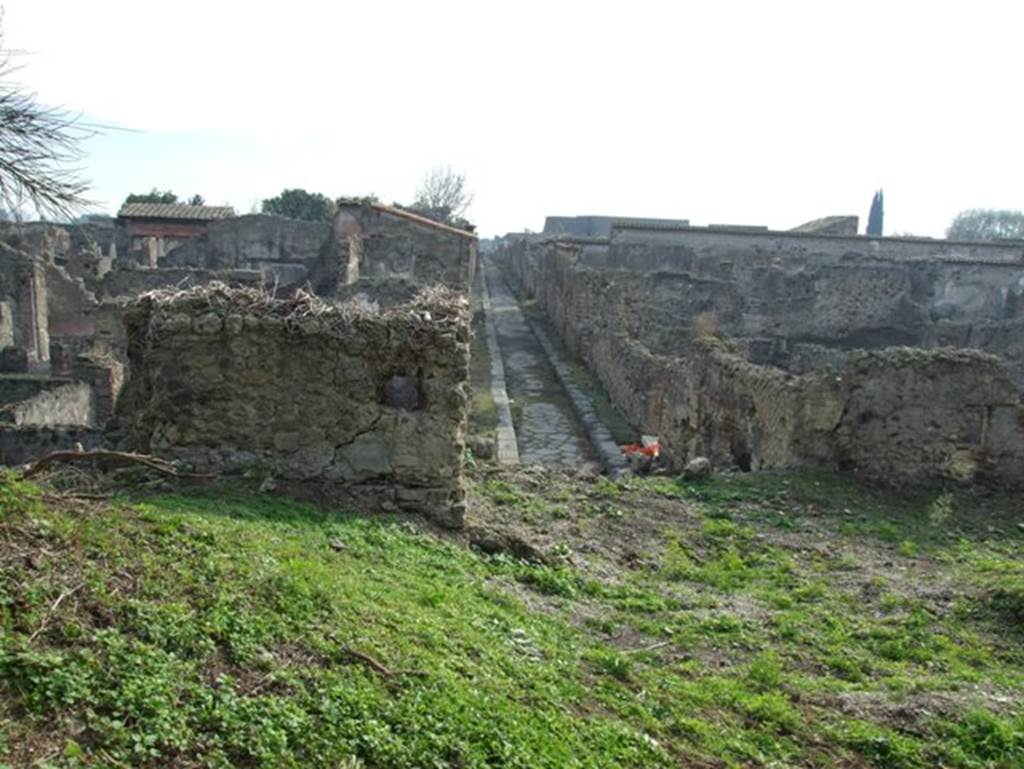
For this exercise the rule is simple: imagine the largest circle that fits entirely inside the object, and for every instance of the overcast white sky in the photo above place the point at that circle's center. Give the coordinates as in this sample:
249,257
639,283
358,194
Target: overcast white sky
721,112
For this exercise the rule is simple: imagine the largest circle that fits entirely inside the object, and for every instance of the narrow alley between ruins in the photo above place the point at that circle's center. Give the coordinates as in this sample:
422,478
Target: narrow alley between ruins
547,430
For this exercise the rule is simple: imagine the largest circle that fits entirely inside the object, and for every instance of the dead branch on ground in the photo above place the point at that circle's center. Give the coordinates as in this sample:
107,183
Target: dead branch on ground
379,667
156,464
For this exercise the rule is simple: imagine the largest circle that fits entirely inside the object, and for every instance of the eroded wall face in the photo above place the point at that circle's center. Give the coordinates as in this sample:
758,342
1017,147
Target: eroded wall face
799,302
670,349
23,316
281,250
53,402
395,247
20,445
6,323
377,403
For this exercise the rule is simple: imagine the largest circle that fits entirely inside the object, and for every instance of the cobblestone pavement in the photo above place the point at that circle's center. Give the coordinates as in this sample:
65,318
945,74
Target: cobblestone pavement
547,430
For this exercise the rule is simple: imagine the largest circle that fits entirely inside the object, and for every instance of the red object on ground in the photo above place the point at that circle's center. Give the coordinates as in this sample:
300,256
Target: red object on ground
638,448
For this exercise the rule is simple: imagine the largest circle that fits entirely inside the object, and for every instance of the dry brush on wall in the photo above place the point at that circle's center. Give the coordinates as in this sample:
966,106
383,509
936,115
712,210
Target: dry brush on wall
340,396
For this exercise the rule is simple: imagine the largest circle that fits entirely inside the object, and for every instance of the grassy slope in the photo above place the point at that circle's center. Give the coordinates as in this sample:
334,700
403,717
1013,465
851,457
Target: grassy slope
215,630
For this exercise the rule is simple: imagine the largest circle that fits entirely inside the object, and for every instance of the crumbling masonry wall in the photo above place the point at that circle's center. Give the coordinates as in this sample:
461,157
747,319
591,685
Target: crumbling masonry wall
394,243
36,400
280,251
654,338
799,301
23,316
342,397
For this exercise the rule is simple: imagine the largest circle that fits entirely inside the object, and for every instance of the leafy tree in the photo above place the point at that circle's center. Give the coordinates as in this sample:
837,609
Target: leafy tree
197,200
153,196
876,215
359,200
299,204
987,224
38,146
443,195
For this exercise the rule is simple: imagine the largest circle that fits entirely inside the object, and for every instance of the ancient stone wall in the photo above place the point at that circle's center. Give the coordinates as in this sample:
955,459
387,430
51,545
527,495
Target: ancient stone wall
131,283
799,301
660,342
600,226
397,243
84,397
20,445
45,241
18,387
282,250
105,376
341,397
24,317
53,402
72,315
86,251
6,324
95,248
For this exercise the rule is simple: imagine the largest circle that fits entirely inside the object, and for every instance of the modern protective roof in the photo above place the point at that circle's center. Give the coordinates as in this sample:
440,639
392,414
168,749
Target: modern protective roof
175,211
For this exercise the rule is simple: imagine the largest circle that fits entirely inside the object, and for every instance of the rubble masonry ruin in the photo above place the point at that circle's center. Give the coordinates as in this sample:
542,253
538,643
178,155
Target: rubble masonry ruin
372,401
63,290
768,350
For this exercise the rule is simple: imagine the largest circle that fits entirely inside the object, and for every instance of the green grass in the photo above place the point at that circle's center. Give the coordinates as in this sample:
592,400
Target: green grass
212,631
216,629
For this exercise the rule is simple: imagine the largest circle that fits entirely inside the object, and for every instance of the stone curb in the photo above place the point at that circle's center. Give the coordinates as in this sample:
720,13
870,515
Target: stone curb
507,449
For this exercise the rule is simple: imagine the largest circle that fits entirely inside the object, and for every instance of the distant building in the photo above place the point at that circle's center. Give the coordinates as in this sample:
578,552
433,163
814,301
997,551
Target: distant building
601,226
153,229
830,225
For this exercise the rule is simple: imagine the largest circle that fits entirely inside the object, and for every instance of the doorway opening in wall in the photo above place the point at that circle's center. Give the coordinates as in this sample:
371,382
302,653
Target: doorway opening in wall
742,457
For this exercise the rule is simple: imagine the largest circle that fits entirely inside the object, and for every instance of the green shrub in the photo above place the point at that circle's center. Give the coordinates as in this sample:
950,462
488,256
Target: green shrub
18,497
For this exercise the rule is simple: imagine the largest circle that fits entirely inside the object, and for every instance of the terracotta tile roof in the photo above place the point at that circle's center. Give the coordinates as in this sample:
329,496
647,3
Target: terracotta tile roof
422,220
175,211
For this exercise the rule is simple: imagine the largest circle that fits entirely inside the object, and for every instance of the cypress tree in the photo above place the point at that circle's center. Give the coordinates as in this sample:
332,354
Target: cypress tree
875,216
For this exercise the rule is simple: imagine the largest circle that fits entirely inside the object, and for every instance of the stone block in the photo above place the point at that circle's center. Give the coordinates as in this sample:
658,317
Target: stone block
14,360
402,392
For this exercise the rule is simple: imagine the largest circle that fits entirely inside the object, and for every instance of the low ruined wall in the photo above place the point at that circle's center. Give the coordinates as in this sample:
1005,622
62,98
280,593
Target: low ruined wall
929,413
21,445
131,283
15,388
896,413
85,397
374,402
61,403
48,242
